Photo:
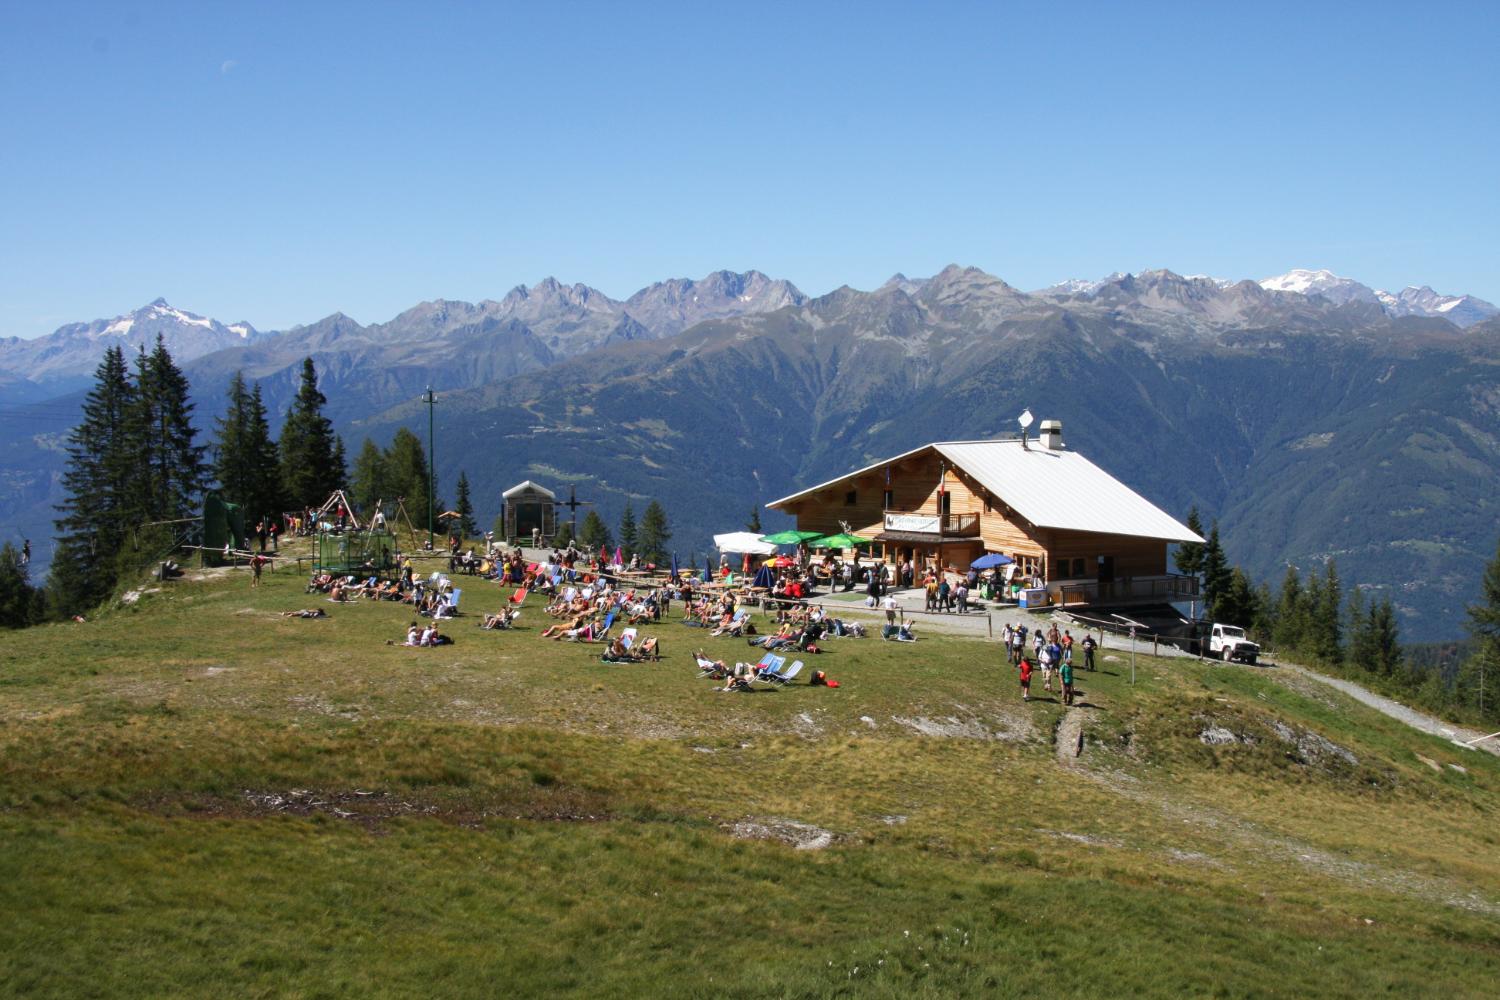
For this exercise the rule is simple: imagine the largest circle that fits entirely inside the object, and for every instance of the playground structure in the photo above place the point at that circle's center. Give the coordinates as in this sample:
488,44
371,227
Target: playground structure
371,549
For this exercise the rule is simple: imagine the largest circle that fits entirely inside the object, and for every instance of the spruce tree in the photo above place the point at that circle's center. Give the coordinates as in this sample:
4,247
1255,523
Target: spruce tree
654,534
1215,569
101,464
1291,612
1360,622
465,508
1236,606
245,463
266,499
173,473
1327,629
1385,639
1483,666
754,523
628,538
561,540
312,465
593,533
370,481
18,605
1189,555
406,466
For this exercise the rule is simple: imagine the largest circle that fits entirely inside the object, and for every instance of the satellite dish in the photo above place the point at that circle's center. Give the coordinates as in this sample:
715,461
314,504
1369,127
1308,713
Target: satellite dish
1025,418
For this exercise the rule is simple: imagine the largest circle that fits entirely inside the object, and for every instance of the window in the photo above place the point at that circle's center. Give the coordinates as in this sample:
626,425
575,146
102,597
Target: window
945,505
888,500
850,498
1078,566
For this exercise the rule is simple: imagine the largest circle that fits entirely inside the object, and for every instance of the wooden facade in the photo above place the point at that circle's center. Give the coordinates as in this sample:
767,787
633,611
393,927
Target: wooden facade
972,521
529,507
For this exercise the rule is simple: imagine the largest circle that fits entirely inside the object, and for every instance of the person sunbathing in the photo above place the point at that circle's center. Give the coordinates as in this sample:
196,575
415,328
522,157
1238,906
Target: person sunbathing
338,593
501,619
574,626
305,613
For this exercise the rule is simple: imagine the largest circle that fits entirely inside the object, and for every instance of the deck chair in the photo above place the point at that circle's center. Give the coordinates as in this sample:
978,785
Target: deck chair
598,636
627,638
769,666
453,598
706,668
519,597
785,676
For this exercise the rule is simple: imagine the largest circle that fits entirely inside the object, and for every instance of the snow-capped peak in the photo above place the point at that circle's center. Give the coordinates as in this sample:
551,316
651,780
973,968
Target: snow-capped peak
1333,287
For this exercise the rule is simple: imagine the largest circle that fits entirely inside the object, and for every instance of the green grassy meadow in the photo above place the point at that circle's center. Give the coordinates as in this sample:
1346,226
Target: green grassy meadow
201,798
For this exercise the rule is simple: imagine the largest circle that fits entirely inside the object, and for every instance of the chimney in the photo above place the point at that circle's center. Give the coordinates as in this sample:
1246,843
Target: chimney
1051,435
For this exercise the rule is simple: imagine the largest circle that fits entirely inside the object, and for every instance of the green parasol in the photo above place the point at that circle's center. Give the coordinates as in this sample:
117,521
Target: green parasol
843,540
790,537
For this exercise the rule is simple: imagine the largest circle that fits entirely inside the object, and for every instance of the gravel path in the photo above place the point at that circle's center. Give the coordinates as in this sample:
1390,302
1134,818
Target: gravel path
1401,713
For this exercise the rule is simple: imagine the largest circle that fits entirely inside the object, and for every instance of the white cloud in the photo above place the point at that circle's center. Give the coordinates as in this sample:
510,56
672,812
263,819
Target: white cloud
227,66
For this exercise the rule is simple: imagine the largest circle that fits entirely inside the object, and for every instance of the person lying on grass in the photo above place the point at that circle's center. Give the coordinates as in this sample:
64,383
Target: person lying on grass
305,613
738,678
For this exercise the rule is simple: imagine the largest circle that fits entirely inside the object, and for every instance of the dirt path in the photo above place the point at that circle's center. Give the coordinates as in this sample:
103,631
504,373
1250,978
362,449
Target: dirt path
1401,713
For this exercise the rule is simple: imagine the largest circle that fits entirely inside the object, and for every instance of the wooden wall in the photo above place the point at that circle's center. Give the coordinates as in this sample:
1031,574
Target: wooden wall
914,483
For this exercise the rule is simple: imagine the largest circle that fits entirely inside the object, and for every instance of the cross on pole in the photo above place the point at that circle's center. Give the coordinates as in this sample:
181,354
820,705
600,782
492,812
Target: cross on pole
573,503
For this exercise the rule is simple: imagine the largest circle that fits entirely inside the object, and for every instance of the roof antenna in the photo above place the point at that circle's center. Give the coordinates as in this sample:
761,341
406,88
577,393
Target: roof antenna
1025,421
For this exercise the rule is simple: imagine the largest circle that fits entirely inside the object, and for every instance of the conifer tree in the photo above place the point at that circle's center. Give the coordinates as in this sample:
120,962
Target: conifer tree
654,534
1237,605
562,539
312,461
245,462
1327,630
101,463
465,508
18,604
1385,639
1360,631
593,533
406,467
1215,569
1189,555
1484,625
628,537
172,472
1291,612
370,481
754,523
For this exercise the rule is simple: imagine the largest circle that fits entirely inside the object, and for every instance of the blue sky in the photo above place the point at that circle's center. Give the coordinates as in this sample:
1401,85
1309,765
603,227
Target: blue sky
275,163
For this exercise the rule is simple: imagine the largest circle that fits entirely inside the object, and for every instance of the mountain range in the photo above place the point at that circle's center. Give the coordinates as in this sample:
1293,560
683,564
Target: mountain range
1311,423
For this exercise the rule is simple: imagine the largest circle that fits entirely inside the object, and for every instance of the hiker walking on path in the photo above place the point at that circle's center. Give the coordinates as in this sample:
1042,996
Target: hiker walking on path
1089,645
1066,673
1025,668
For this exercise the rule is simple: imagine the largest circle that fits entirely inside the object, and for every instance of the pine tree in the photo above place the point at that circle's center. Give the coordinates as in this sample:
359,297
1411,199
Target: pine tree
628,537
370,482
18,605
312,461
654,534
1215,569
561,540
101,464
1291,612
593,534
1327,631
265,499
1189,555
754,523
1236,606
172,473
406,467
1360,629
1385,639
1483,667
465,508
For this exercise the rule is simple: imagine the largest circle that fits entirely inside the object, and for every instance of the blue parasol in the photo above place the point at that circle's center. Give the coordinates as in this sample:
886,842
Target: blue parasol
990,561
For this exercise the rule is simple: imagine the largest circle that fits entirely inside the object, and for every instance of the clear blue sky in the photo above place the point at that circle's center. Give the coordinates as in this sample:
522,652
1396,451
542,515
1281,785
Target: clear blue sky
275,162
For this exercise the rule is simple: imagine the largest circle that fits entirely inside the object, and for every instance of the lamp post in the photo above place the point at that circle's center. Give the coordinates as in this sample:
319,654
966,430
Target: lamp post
431,465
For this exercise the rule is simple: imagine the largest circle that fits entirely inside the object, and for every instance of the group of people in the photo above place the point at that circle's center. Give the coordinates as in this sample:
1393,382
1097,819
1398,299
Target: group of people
1053,651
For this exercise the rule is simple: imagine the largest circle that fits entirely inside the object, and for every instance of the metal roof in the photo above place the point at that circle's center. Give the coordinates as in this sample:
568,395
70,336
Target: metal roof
528,487
1050,489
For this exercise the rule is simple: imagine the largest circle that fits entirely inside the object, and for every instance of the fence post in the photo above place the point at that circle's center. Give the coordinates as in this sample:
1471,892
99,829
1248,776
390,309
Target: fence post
989,620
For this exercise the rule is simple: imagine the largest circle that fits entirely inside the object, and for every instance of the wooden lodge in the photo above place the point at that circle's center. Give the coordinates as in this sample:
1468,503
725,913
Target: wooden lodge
1068,525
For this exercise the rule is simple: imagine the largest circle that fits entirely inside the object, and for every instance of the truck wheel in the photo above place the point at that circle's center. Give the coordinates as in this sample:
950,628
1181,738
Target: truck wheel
1250,659
1228,653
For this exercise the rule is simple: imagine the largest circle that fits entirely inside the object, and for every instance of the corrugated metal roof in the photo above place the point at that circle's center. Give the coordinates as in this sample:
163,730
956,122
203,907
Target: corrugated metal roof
1051,489
1062,489
528,487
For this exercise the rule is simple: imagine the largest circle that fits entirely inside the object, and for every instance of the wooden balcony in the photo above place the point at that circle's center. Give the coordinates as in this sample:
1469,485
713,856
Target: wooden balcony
1168,588
935,525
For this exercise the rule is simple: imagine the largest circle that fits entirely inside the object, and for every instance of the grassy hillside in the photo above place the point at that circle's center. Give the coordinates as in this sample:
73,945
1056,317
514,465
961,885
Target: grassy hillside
199,797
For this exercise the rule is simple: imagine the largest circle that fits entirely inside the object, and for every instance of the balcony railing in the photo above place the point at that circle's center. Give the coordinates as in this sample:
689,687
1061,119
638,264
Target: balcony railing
1141,589
949,525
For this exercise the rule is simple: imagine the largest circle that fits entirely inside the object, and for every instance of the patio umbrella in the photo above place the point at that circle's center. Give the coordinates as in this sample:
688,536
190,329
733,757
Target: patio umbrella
990,561
674,563
764,578
780,562
742,542
619,556
790,537
843,540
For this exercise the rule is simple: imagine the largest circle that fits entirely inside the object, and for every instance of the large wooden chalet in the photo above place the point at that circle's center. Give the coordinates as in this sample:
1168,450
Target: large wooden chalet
1060,517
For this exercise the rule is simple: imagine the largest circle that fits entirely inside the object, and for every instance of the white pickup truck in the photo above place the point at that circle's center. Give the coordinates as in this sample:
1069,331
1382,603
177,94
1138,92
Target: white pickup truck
1228,642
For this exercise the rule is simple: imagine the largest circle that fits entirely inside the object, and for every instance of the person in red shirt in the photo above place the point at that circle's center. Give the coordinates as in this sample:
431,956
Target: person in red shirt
1025,667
